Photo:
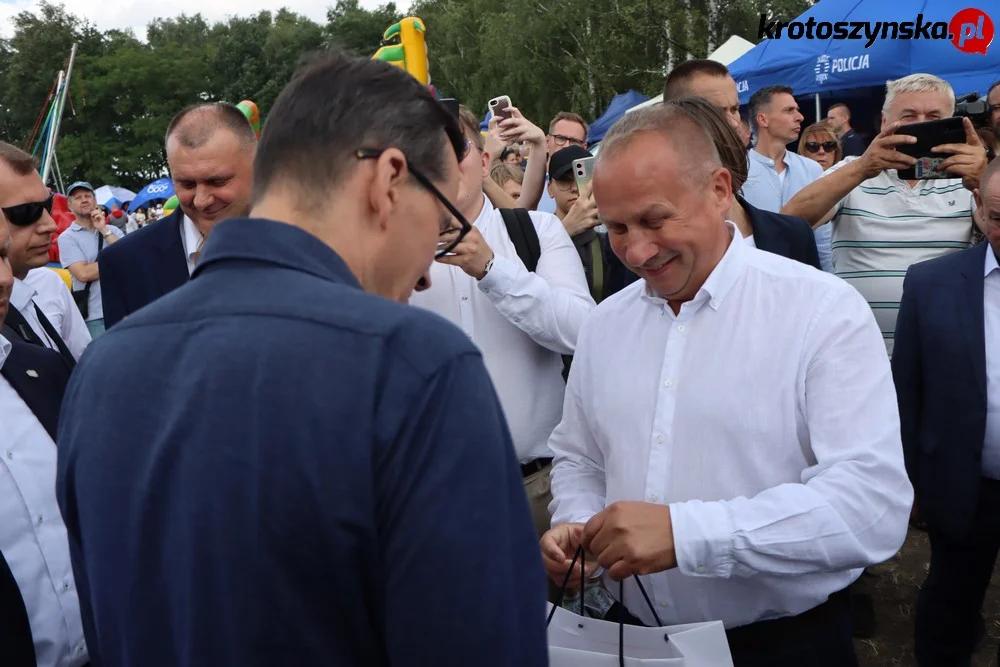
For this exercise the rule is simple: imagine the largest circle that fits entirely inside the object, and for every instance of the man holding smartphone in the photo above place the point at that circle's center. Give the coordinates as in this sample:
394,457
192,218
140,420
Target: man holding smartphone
883,224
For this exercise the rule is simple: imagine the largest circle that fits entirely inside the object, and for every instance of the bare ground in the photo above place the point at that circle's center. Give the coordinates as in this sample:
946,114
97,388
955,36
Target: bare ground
894,587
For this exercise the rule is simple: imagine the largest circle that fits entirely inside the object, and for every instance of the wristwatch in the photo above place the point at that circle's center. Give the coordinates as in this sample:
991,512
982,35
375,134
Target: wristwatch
489,265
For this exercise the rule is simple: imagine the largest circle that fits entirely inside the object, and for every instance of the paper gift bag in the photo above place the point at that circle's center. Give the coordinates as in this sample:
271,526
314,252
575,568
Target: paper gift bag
575,641
579,641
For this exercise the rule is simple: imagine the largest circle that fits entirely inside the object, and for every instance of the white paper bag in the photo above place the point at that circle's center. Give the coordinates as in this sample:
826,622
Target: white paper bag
575,641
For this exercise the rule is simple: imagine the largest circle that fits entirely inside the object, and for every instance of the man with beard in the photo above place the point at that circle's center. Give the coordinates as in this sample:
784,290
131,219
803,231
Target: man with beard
210,150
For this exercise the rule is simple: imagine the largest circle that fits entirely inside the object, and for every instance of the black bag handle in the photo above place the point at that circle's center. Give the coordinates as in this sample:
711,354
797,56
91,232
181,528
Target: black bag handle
579,555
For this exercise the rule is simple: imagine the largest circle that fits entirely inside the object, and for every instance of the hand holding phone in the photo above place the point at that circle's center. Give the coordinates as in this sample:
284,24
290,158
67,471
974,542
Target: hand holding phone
965,157
500,107
583,172
929,135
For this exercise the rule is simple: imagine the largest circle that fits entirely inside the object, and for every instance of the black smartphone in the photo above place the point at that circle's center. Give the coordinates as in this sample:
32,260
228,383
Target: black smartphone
930,134
451,104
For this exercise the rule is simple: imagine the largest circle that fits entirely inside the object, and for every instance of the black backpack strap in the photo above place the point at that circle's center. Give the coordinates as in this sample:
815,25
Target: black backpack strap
524,236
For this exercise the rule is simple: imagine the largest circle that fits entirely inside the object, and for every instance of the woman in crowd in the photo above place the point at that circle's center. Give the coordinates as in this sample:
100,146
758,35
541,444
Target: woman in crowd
819,143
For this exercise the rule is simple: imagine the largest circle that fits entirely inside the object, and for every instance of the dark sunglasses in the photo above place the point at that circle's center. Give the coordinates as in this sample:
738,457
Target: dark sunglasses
22,215
828,146
450,237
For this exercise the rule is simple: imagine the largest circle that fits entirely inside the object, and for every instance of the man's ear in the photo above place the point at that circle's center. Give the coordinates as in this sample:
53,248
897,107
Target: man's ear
487,160
385,185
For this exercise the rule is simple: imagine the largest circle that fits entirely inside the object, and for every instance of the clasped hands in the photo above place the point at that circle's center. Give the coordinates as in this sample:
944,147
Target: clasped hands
626,539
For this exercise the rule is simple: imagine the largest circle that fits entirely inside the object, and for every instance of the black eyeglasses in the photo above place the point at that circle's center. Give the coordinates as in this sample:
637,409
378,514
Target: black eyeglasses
562,140
22,215
450,237
828,146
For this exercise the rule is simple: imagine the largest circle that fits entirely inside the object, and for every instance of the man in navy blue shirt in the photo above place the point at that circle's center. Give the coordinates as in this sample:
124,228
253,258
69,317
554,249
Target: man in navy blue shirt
308,473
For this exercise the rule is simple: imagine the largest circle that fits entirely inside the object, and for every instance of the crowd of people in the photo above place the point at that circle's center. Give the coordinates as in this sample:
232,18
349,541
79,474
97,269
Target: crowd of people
729,370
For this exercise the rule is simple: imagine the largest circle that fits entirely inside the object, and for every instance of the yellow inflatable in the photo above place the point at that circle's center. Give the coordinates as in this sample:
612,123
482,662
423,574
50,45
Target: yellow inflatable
171,204
410,50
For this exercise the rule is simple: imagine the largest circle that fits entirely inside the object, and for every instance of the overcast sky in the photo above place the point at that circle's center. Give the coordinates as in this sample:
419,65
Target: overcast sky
137,13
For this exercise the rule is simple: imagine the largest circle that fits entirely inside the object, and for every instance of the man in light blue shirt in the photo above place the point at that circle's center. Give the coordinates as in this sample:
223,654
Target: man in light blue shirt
775,174
79,246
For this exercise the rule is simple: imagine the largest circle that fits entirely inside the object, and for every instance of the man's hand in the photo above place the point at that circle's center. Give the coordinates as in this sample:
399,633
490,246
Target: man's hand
582,214
519,128
471,255
632,538
494,145
99,221
882,153
967,161
559,545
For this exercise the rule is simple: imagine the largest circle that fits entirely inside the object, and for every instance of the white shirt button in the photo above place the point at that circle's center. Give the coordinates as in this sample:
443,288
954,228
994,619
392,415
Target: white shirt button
10,455
668,384
701,569
39,520
653,497
659,438
663,604
680,327
465,298
713,303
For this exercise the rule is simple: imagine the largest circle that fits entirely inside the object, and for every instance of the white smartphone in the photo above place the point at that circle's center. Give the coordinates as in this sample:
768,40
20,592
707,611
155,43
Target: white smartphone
583,171
500,106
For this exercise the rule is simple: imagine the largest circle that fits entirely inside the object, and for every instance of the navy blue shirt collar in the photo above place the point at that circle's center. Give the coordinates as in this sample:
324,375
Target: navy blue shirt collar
278,243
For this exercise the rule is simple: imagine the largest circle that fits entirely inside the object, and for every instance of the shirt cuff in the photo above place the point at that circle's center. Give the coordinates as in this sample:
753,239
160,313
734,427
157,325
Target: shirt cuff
500,280
703,538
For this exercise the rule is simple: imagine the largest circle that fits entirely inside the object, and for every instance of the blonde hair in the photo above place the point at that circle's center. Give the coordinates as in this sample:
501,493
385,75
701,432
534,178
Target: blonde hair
503,173
917,83
821,127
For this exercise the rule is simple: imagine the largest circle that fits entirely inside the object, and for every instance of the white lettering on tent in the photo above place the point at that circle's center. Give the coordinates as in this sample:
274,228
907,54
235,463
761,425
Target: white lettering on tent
852,64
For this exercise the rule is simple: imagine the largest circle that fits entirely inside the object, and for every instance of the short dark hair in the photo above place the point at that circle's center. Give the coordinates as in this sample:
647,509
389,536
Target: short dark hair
19,161
840,105
194,125
993,86
337,104
762,98
570,116
679,76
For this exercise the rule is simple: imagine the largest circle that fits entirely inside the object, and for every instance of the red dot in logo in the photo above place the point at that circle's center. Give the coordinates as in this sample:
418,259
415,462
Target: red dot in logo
971,30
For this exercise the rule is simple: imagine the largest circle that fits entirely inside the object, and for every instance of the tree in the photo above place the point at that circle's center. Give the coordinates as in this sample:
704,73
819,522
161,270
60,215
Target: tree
358,30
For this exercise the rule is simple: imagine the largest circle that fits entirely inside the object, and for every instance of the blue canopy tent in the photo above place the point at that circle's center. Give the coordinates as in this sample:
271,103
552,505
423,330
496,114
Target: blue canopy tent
161,189
822,65
619,105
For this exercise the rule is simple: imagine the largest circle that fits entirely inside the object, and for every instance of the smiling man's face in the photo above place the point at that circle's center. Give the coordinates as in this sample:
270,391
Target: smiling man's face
213,181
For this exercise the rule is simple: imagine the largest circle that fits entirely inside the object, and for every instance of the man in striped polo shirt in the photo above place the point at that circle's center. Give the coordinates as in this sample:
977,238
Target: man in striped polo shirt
882,224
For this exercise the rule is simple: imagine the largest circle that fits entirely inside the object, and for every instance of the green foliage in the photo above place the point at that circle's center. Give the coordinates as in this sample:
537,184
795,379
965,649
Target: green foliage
548,55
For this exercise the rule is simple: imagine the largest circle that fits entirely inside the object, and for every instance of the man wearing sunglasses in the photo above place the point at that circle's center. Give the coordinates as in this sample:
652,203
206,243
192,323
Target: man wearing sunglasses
308,447
79,247
42,311
566,129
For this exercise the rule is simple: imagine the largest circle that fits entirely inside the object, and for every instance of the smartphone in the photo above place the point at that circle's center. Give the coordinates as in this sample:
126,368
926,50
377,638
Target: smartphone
930,134
500,106
451,104
583,171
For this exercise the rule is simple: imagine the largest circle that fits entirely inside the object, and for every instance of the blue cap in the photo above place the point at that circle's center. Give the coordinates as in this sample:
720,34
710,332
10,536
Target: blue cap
80,184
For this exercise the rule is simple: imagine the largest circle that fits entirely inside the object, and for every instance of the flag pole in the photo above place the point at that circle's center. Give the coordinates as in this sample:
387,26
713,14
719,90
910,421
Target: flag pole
57,118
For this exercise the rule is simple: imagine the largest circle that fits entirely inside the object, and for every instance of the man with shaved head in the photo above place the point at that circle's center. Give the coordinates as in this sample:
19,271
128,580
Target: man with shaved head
730,426
210,151
946,364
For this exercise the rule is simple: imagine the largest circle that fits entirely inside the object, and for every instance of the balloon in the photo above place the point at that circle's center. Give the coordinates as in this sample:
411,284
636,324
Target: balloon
410,53
252,113
170,206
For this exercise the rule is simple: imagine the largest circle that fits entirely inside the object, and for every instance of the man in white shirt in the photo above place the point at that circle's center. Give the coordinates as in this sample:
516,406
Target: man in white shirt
883,224
523,322
730,424
34,547
42,309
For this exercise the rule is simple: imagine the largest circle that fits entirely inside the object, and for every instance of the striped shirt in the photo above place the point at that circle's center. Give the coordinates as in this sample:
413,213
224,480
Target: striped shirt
883,226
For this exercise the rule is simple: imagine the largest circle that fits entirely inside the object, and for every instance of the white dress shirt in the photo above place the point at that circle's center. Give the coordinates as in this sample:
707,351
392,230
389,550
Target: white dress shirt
192,240
33,537
44,288
763,414
991,322
521,321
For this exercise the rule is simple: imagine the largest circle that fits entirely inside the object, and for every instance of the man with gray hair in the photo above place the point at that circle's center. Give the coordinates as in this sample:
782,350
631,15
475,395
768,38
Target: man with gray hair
883,224
707,438
210,151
